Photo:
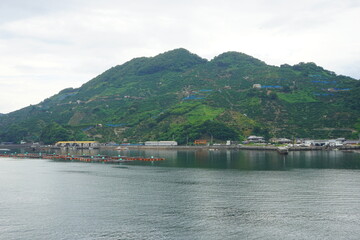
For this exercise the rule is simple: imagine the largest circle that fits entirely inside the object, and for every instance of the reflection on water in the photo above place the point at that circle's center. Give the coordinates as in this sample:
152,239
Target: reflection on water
235,159
252,160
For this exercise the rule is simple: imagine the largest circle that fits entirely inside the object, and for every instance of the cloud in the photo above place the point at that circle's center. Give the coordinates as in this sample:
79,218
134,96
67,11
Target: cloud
59,44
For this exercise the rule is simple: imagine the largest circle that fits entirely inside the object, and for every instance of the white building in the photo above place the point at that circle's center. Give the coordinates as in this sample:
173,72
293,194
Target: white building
256,139
78,144
325,142
336,142
280,140
161,143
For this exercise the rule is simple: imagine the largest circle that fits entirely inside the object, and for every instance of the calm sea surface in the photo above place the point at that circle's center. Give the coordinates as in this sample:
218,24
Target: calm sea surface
191,195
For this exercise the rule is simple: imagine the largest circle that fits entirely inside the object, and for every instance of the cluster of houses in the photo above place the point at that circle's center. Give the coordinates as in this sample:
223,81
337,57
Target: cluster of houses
304,142
250,140
261,140
77,144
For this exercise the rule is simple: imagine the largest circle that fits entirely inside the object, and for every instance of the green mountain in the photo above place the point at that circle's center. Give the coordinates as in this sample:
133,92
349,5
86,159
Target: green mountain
179,95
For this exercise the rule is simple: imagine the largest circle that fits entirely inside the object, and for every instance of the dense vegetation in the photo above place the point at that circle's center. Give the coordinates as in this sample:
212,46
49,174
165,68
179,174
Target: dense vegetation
178,95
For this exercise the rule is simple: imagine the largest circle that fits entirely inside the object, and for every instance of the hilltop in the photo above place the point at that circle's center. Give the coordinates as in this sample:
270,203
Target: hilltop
179,95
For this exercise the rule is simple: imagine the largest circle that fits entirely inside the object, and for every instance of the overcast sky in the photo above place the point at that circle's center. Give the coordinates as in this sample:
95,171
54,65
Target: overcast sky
49,45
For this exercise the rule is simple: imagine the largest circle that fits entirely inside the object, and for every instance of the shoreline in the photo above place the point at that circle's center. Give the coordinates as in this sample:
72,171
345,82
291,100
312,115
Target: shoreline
209,148
232,147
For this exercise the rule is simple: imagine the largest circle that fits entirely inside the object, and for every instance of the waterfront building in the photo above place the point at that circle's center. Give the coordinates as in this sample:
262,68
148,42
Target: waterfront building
161,143
280,140
77,144
200,142
255,139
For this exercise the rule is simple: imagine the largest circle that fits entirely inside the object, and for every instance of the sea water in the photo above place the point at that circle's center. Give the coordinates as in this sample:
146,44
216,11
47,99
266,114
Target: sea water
191,195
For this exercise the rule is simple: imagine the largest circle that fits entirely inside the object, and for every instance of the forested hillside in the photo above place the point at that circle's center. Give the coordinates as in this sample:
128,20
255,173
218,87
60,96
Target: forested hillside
179,95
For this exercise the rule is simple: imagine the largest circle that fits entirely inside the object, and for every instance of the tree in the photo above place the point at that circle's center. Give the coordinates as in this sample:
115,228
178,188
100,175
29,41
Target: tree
218,130
54,132
15,133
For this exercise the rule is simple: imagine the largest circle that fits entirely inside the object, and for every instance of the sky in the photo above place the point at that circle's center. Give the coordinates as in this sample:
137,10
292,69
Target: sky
49,45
